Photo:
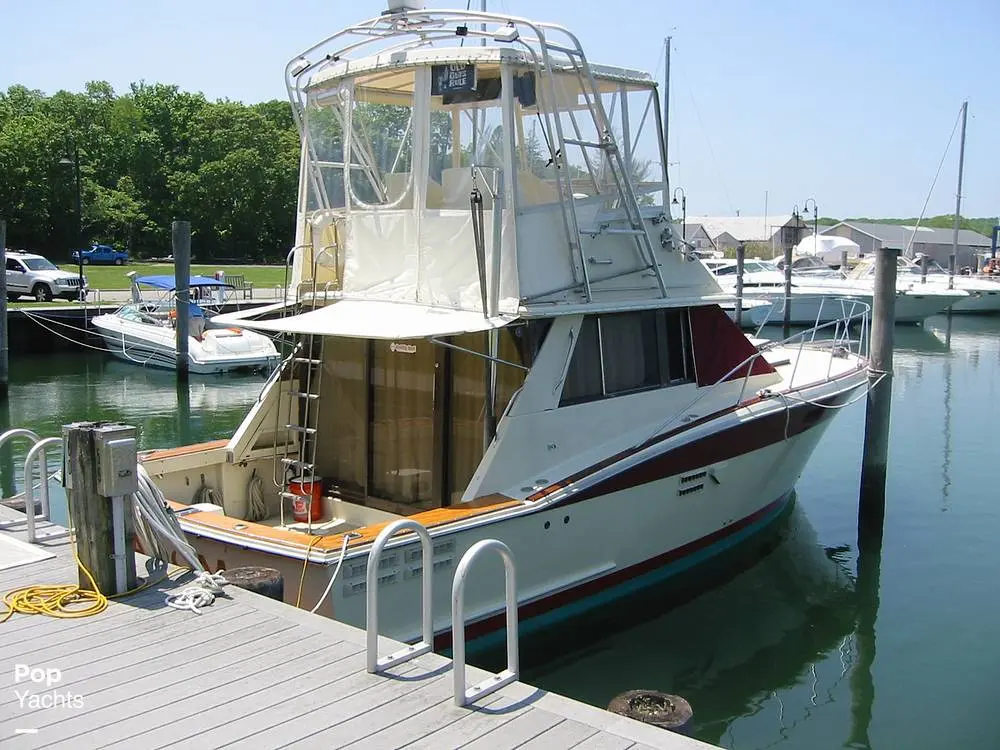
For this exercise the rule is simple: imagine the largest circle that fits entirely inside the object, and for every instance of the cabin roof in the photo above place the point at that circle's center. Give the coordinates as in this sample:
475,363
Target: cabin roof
462,55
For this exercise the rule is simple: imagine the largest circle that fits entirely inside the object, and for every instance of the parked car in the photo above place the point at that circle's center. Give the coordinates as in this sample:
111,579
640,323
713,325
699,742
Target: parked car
101,254
29,274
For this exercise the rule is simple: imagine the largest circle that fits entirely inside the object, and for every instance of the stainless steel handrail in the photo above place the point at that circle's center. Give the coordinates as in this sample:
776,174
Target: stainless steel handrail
462,696
374,663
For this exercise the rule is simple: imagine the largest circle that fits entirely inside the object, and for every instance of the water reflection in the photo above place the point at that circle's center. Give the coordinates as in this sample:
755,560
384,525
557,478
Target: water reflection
47,392
729,647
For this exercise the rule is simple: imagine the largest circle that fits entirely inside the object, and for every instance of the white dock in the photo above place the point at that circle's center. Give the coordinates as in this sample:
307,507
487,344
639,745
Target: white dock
256,673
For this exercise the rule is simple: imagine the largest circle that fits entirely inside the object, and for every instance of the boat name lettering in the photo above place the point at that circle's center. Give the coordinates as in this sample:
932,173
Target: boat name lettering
402,348
447,79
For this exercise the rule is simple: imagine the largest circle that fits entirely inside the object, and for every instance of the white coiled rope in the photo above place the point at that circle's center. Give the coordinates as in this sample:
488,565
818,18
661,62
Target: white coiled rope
158,528
200,594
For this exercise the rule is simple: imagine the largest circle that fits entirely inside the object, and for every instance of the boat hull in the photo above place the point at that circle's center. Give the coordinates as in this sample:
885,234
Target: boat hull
808,310
154,349
635,528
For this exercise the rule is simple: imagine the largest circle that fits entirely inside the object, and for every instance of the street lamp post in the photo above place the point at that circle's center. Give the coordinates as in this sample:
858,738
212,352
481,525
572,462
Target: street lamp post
805,210
684,208
75,162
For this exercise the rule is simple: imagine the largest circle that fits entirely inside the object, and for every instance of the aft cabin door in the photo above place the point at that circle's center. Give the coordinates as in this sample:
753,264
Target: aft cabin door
402,423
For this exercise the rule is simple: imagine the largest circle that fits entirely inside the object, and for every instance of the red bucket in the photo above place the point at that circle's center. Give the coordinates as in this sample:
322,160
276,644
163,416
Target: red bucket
308,503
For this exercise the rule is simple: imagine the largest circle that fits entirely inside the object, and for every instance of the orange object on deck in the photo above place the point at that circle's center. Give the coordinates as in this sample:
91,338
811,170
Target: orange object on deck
308,503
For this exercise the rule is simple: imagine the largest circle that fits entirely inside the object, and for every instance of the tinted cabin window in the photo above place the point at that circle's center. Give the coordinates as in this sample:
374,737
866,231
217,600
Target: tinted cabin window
628,352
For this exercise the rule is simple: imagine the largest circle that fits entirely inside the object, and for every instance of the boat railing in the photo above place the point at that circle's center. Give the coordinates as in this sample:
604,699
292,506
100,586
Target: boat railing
834,336
376,664
463,696
36,454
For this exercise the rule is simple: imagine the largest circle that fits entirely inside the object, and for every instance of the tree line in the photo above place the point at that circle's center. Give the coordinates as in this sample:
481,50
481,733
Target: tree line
146,158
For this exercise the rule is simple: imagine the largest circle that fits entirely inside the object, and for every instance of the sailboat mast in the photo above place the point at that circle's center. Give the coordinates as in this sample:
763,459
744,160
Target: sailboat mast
666,107
958,195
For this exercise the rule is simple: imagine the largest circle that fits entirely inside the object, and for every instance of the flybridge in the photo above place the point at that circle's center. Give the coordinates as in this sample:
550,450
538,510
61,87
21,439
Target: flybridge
479,162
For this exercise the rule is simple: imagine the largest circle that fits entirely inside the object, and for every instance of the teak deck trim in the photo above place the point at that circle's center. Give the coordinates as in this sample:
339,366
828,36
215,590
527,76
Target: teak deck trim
429,519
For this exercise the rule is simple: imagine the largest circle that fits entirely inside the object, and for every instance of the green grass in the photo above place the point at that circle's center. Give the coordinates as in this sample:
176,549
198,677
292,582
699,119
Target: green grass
113,277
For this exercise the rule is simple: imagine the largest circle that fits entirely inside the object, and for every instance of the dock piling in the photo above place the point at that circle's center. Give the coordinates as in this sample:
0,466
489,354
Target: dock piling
100,476
843,262
741,255
786,322
3,311
181,241
871,508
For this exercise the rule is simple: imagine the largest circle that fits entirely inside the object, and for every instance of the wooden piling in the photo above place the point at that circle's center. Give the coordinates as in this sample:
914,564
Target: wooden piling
786,322
3,310
264,581
925,261
871,508
91,513
181,241
843,262
741,256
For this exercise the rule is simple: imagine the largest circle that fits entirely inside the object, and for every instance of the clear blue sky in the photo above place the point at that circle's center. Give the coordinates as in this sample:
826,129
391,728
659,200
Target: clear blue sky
848,102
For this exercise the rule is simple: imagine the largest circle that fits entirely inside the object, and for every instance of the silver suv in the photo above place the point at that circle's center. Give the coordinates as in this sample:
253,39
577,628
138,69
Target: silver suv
29,274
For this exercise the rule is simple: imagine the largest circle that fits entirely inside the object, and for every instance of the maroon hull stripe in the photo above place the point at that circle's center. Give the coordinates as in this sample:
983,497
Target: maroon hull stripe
541,606
732,442
583,473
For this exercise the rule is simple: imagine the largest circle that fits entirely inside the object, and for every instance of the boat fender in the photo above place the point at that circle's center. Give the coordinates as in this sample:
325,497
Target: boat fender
653,707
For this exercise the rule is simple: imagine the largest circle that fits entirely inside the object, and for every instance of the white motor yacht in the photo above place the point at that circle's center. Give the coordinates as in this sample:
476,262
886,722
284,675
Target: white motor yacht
822,298
143,331
983,293
499,335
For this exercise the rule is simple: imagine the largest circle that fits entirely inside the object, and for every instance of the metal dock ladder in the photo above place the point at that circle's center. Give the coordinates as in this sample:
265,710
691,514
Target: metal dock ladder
376,664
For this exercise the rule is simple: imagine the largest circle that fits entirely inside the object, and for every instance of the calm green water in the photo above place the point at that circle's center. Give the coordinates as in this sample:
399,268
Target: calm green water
784,643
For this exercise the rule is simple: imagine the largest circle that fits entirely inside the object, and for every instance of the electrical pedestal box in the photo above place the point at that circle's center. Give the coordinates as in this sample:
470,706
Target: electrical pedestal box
117,460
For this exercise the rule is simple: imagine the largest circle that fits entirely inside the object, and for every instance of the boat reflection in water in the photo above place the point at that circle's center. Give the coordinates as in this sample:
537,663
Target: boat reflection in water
765,640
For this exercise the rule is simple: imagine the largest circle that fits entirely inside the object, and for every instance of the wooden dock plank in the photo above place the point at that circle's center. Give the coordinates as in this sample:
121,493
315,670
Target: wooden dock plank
604,741
84,670
432,718
566,733
138,628
214,705
120,712
283,686
372,701
242,728
252,672
525,726
477,721
431,692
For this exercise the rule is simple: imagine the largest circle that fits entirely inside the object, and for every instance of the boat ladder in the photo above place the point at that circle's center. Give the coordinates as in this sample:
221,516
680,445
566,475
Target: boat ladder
297,411
296,421
462,696
619,167
36,455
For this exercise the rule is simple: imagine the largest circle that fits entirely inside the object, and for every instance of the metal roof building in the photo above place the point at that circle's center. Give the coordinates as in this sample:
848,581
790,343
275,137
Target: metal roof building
932,241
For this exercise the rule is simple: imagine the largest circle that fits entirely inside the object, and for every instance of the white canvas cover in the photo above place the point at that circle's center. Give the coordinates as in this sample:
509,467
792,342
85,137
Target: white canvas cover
426,257
828,248
375,319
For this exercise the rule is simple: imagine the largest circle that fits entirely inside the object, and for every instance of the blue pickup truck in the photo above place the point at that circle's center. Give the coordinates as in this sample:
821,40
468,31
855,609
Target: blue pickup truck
101,254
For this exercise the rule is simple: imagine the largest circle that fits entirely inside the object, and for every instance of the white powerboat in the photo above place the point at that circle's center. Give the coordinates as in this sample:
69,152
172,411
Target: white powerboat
143,332
500,335
983,292
822,298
